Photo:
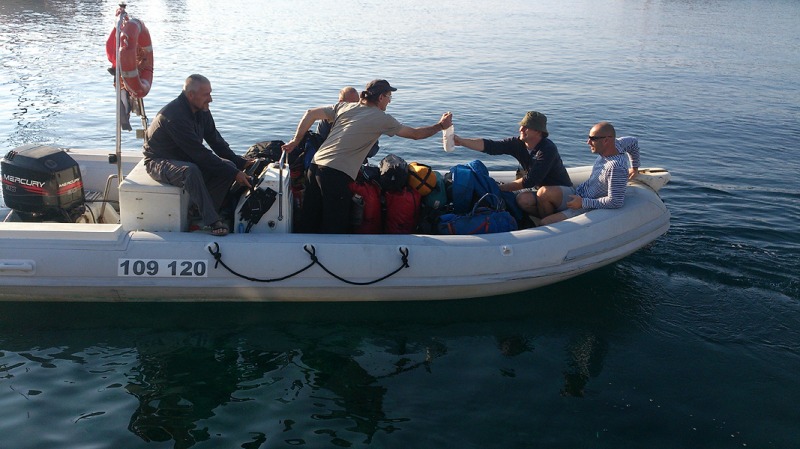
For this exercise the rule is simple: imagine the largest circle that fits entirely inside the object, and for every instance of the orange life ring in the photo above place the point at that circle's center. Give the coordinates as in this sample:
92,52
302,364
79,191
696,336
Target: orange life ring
136,58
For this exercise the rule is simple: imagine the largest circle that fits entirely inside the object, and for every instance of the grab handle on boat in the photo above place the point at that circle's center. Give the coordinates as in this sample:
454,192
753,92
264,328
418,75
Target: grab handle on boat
105,196
17,266
281,163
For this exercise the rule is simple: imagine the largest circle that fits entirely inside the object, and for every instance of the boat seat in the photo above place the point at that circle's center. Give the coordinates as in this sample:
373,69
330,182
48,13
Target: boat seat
148,205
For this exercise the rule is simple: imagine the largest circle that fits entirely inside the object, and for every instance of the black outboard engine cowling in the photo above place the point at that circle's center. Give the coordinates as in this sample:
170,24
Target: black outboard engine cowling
42,183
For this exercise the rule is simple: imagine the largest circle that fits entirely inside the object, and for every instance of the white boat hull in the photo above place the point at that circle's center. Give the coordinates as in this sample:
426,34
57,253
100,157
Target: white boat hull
104,262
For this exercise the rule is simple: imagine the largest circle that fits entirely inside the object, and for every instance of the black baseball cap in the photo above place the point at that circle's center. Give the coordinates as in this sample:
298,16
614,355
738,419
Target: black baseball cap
378,87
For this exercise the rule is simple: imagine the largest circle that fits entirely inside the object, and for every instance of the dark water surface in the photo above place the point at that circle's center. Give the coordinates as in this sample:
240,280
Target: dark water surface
689,343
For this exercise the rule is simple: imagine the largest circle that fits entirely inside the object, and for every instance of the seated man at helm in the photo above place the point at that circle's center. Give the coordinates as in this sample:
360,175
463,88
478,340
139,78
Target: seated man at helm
174,152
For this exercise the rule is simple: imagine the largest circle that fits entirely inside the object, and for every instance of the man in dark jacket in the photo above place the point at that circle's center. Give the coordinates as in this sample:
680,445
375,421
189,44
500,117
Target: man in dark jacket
174,152
537,155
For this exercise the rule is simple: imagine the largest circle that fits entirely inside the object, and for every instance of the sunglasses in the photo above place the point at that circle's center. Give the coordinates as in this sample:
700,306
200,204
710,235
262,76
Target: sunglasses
595,138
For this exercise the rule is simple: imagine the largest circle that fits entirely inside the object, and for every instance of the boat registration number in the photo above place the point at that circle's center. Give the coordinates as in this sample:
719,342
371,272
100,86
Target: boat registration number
162,268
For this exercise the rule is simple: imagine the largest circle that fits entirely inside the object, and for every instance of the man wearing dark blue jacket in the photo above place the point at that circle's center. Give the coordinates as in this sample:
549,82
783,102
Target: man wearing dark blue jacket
537,155
174,152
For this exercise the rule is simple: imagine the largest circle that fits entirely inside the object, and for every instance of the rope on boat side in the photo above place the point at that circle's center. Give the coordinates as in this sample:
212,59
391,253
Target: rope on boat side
312,252
403,256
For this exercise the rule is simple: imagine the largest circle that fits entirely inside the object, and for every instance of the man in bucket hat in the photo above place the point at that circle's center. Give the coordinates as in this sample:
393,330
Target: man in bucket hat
537,155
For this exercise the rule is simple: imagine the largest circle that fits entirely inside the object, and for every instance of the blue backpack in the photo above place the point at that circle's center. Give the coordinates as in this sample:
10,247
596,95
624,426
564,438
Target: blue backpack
480,219
470,182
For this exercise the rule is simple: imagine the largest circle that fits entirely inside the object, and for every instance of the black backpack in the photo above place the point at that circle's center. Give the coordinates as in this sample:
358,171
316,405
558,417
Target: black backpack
257,204
394,173
268,149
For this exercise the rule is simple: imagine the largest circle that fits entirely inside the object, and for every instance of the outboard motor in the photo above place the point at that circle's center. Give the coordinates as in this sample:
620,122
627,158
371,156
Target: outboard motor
42,183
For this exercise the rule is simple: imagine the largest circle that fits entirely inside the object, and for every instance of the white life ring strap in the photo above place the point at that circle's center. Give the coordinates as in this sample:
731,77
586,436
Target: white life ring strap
129,73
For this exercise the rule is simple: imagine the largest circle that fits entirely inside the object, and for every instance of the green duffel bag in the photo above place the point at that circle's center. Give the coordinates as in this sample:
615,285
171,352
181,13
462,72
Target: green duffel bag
437,198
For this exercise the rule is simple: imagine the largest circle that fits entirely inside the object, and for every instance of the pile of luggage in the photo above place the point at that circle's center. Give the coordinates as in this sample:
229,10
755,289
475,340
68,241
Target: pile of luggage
397,197
404,198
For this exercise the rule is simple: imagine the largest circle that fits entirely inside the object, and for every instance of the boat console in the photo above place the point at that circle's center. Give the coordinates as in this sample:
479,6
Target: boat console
149,205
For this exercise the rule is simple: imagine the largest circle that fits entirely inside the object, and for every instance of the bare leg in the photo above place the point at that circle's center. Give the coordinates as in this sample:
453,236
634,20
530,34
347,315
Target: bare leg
549,198
554,218
527,202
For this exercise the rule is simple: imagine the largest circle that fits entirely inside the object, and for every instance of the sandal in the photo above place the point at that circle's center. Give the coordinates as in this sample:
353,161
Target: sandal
219,229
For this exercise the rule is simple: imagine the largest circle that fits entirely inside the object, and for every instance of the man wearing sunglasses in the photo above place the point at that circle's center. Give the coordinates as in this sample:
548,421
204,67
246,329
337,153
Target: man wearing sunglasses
605,188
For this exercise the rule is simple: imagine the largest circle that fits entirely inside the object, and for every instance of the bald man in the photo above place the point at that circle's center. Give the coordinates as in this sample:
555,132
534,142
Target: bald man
605,188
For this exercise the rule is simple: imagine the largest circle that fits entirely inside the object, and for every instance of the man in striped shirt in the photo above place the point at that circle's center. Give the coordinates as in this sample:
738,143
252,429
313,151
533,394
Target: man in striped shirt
605,188
629,145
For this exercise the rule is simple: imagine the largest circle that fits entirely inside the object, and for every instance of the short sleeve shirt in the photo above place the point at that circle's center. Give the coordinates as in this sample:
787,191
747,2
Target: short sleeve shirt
356,128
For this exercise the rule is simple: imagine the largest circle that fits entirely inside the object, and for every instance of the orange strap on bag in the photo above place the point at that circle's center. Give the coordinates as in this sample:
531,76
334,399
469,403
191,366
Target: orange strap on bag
421,178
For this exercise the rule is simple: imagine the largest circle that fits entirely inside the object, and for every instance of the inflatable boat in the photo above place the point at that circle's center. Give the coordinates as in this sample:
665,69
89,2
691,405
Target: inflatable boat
72,231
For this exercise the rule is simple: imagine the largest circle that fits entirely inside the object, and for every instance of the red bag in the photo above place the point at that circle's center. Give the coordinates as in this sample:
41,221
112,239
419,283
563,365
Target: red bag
402,211
370,221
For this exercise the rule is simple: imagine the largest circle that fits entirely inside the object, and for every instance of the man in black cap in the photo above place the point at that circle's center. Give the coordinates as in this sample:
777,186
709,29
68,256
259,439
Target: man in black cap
348,94
356,128
538,157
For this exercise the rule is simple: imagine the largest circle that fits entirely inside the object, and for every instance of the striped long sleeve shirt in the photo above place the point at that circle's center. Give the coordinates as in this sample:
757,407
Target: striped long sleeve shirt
605,188
629,145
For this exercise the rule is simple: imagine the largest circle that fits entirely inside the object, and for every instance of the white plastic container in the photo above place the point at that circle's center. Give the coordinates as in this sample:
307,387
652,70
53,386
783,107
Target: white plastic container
448,139
278,219
148,205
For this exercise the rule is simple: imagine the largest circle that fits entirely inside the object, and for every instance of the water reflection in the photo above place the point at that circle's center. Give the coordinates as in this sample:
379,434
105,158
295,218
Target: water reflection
357,396
321,375
585,360
514,345
178,388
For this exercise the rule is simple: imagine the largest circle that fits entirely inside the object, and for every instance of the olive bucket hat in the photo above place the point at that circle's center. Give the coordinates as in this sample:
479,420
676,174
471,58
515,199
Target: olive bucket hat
535,121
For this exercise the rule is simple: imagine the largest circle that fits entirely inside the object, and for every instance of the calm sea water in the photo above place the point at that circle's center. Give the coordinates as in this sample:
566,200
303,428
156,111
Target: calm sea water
691,342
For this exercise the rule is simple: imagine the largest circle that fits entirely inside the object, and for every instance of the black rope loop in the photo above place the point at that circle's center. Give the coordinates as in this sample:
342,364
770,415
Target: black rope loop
404,258
312,253
218,256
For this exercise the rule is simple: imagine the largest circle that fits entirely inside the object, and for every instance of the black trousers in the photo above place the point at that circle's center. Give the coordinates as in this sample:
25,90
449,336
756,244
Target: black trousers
326,201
